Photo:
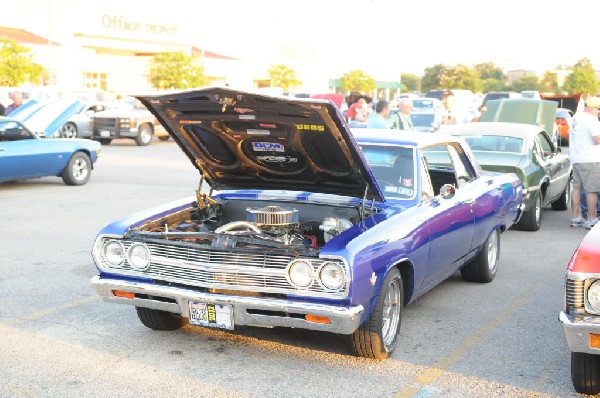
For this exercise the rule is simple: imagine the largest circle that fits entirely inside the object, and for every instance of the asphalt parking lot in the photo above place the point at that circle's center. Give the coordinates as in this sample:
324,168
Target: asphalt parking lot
58,339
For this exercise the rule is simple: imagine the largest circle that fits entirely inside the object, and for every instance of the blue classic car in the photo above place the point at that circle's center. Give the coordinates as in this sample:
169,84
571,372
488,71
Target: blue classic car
24,154
312,226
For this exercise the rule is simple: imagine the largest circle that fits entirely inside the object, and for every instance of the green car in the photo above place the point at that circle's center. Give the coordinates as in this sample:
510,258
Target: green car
528,151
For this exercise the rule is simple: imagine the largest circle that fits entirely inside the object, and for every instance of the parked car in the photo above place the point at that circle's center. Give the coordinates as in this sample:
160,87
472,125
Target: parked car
580,317
79,124
44,117
129,119
564,123
526,150
426,104
423,121
24,155
494,95
310,226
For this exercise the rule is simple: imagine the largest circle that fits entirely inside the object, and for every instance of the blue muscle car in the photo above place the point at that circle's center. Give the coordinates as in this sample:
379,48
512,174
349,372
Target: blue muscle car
306,225
24,154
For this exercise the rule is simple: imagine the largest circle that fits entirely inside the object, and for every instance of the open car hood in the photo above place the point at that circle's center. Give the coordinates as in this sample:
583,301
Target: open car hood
243,140
46,118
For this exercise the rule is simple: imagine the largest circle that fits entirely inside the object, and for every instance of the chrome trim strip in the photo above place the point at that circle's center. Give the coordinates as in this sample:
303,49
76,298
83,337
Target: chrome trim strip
343,320
577,330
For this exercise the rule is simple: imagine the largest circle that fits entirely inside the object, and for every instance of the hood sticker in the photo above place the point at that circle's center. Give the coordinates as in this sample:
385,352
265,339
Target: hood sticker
312,127
243,110
277,159
226,101
247,117
258,132
190,122
267,147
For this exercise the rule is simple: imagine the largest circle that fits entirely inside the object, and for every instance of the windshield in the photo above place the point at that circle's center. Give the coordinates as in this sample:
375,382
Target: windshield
422,119
394,170
424,104
494,143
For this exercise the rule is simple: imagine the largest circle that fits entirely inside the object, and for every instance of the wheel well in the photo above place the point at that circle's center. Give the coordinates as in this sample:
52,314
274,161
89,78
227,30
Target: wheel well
408,279
88,155
147,124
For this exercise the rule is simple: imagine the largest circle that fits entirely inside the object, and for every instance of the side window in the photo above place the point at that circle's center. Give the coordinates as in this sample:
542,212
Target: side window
426,186
545,144
464,174
440,167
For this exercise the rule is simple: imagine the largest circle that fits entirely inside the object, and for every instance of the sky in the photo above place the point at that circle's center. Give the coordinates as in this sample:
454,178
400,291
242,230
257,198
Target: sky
381,37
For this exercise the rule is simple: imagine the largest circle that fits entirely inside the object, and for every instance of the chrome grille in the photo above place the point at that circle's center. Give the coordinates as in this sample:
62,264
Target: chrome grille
575,293
253,272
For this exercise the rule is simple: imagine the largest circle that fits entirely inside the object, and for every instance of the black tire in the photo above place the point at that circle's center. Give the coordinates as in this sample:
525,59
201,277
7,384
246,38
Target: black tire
483,268
78,170
159,320
164,137
585,373
377,338
562,203
144,136
532,218
69,130
104,141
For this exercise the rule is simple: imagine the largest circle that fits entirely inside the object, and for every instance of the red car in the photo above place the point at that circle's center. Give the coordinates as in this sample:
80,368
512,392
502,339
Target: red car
563,122
580,317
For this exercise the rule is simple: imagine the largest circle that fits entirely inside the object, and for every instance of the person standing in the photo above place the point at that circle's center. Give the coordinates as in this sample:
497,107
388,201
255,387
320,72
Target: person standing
402,119
378,119
357,112
449,114
17,101
584,152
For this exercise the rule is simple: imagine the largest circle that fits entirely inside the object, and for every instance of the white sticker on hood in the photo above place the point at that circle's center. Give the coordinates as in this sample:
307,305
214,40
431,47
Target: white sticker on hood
267,147
257,132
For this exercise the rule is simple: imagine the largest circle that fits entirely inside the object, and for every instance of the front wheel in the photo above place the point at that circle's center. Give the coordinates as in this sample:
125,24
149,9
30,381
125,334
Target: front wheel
378,337
159,320
532,218
78,170
562,203
144,136
483,268
585,372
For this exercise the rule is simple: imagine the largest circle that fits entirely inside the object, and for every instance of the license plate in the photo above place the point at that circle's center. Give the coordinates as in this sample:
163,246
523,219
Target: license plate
211,315
105,133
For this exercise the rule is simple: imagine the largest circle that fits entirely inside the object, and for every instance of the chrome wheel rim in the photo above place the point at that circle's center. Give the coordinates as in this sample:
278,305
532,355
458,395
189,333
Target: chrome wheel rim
492,251
391,313
80,169
538,209
69,131
145,135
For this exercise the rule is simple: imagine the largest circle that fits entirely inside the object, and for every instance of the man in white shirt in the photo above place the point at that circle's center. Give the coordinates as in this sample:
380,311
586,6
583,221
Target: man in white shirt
449,115
584,152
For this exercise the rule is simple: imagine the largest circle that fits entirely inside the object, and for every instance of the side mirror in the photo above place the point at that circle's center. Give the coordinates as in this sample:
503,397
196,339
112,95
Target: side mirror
447,191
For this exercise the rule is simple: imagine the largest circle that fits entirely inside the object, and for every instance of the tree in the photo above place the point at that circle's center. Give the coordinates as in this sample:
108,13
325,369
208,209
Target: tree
526,83
460,77
549,83
17,66
357,81
431,78
489,70
176,70
283,76
582,80
410,81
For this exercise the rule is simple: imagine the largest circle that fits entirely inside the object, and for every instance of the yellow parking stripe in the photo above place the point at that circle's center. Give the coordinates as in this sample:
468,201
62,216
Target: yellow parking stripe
49,311
433,373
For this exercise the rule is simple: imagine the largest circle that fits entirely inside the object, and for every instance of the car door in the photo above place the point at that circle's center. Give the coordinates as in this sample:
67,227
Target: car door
555,165
451,219
22,155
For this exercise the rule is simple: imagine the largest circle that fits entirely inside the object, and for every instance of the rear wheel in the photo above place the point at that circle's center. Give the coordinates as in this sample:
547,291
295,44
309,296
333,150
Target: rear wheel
562,203
378,337
483,268
585,373
69,130
78,170
159,320
532,218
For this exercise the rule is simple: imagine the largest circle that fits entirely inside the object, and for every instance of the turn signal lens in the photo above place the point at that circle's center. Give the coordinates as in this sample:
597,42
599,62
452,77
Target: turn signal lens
120,293
317,319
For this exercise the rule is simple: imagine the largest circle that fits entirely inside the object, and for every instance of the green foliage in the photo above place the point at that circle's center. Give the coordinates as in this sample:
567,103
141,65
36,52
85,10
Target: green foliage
492,85
526,83
549,83
489,70
460,77
357,81
17,66
283,76
582,80
431,78
410,82
176,70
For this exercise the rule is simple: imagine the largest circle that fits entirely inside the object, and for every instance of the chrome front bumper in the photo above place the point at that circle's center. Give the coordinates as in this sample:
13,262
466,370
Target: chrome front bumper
577,331
249,311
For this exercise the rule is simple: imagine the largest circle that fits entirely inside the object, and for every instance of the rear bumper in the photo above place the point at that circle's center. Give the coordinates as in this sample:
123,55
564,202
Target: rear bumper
247,310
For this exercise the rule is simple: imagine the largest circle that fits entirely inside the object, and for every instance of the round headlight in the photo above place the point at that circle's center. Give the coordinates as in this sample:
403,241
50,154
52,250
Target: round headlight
114,252
593,296
331,276
138,256
300,273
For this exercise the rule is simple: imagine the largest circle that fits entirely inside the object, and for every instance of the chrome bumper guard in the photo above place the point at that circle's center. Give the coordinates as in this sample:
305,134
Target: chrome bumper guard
343,320
577,331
